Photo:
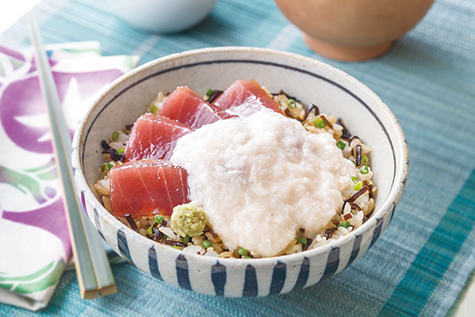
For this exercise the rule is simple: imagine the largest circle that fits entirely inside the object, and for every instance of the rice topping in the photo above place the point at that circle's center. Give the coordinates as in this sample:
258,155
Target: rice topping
263,178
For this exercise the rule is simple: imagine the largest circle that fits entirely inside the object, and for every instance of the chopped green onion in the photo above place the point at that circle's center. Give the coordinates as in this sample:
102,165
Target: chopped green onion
247,257
354,179
207,244
302,240
108,166
345,224
364,160
120,151
341,145
175,247
158,219
320,123
154,109
164,237
291,103
209,92
243,252
115,136
358,186
186,239
149,230
364,169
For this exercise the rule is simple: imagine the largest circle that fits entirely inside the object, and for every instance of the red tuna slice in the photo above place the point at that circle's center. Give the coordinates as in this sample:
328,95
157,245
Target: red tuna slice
246,97
154,137
186,106
147,187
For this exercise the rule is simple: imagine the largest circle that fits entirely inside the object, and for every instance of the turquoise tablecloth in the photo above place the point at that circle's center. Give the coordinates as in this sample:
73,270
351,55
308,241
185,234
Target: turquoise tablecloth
422,263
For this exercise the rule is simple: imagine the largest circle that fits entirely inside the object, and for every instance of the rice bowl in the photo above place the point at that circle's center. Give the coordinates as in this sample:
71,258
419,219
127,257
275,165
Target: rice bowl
312,81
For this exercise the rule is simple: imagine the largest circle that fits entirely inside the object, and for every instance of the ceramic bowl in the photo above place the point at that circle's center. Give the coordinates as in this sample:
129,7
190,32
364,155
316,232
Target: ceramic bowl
332,90
162,16
351,30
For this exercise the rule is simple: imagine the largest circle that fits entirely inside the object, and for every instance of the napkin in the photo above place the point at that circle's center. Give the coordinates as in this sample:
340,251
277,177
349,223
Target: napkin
35,246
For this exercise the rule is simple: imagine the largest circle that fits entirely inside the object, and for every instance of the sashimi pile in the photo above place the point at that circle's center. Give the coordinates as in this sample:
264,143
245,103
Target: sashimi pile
239,173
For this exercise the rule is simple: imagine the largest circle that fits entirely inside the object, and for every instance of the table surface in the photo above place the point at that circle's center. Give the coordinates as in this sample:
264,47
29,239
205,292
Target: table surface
427,79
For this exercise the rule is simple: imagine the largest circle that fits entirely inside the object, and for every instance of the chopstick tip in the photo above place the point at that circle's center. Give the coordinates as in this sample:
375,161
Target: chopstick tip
109,290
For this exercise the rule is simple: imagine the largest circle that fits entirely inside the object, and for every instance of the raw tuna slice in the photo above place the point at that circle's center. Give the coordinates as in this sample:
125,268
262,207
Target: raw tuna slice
186,106
154,137
246,97
147,187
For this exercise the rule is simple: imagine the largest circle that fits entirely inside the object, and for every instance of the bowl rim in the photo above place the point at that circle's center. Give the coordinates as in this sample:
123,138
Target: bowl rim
395,192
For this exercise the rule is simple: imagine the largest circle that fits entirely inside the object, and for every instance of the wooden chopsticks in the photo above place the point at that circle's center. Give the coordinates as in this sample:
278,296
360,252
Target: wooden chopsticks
92,266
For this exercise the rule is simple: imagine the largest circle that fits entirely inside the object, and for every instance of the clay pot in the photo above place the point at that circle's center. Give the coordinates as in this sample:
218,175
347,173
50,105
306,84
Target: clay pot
353,30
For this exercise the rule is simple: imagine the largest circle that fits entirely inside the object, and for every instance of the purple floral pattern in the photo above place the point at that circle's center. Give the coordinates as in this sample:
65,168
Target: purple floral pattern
30,197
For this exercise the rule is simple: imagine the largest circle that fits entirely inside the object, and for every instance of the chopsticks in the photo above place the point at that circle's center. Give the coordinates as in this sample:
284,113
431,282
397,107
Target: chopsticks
92,266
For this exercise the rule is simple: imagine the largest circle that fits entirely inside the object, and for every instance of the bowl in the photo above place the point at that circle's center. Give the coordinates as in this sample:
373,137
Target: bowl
162,16
353,30
332,90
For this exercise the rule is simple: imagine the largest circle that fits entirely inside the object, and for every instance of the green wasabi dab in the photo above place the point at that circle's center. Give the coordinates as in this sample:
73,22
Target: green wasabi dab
188,219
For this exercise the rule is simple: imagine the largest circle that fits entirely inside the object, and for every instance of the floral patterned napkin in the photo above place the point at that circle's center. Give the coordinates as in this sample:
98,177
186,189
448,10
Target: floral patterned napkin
34,241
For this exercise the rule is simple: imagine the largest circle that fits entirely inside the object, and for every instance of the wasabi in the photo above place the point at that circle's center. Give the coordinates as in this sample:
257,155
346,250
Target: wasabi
188,219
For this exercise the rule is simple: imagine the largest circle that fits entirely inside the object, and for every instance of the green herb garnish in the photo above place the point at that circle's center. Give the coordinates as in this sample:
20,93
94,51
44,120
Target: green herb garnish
302,240
345,224
115,136
159,219
364,169
364,160
186,239
209,92
154,109
120,151
358,186
320,123
243,252
207,244
108,166
291,103
341,145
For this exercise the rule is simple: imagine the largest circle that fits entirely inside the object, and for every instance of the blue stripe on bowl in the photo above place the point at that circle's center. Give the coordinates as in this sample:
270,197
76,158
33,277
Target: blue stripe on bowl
182,273
218,277
377,231
302,279
153,264
393,211
332,263
97,223
123,246
278,278
83,199
356,250
250,282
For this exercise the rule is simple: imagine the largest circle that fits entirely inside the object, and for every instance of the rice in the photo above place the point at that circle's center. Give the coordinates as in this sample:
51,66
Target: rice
358,191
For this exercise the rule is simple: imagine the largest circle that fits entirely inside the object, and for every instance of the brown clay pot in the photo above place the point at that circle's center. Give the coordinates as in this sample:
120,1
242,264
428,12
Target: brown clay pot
353,30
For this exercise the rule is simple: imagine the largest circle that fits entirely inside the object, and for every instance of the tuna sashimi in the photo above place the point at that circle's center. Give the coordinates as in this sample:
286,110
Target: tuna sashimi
186,106
147,187
154,137
246,97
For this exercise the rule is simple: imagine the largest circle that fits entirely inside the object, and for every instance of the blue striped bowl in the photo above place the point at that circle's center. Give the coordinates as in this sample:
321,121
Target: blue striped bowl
332,90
